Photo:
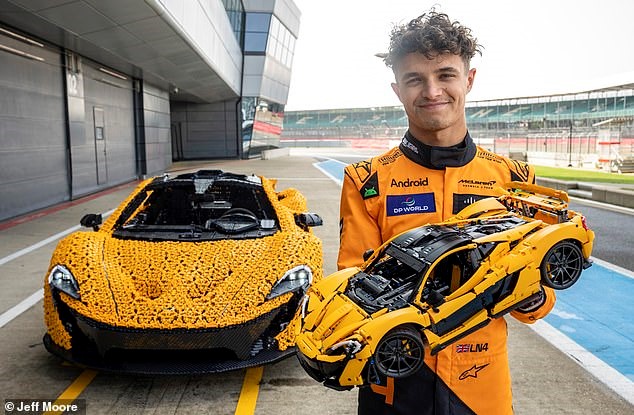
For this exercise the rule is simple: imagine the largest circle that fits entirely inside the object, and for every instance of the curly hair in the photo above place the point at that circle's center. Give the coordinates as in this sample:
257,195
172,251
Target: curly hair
431,34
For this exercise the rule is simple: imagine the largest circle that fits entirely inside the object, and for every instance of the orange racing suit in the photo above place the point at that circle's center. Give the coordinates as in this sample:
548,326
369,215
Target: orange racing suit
414,185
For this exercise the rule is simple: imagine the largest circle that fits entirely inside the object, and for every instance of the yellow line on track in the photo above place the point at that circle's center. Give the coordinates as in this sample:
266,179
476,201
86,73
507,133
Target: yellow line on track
249,393
72,392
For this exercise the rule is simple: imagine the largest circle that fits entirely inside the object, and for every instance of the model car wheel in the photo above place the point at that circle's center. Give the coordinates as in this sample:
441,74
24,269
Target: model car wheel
562,265
400,353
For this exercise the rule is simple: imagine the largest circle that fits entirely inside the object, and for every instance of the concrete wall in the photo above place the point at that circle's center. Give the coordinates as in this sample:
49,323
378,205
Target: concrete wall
206,130
156,127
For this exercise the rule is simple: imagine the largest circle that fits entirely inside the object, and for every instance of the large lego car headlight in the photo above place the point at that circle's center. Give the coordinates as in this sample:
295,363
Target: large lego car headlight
295,279
62,279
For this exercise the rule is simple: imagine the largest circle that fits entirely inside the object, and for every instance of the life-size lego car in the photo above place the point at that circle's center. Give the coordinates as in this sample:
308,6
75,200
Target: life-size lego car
196,273
432,285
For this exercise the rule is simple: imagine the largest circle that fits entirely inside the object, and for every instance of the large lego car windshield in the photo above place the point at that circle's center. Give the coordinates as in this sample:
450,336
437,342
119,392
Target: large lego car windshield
199,208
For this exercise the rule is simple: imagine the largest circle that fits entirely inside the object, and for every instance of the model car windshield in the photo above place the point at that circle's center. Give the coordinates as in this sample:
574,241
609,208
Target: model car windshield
199,208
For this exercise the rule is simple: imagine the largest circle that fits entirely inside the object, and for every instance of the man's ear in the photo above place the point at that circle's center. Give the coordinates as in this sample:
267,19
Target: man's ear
396,90
470,77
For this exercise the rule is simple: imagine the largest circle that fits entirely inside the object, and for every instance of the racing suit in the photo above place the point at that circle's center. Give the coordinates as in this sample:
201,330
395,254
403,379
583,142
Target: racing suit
414,185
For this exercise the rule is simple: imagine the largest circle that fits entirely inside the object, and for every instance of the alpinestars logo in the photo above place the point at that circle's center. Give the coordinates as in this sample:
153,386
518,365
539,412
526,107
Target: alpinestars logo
410,183
472,372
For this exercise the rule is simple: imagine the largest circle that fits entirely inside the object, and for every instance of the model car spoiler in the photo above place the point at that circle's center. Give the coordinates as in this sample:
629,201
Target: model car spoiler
536,195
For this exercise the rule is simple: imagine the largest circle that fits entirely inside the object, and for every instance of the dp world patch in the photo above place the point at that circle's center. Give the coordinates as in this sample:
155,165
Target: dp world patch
409,204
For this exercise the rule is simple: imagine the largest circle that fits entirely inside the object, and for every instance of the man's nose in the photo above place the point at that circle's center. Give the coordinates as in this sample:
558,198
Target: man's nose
431,90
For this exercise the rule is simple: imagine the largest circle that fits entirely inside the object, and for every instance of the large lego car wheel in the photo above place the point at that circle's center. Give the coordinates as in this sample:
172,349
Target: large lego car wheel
400,353
562,265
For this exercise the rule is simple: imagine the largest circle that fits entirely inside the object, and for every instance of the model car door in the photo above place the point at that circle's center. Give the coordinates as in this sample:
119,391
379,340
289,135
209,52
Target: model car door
446,274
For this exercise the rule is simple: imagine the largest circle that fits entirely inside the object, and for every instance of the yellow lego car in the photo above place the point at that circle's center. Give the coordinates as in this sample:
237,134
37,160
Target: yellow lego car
430,286
197,273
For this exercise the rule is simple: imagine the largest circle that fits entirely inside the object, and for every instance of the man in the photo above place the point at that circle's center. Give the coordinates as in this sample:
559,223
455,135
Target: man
435,172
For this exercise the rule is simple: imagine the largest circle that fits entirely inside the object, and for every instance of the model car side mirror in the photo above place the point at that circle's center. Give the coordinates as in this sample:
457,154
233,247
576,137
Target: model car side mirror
308,220
91,220
367,254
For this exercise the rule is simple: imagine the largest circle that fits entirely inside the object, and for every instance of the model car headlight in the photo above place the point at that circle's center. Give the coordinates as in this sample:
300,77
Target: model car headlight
349,347
62,279
295,279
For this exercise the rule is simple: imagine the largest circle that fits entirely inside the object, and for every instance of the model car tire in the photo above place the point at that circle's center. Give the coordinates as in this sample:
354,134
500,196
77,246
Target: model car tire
562,265
400,352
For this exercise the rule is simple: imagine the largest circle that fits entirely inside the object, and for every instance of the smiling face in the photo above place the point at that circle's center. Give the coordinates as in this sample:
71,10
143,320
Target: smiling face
433,93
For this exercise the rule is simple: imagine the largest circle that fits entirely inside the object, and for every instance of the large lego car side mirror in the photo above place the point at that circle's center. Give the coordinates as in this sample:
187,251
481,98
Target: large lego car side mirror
308,220
91,220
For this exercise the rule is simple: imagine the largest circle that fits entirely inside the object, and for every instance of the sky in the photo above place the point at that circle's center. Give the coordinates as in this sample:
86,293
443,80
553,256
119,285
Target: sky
531,48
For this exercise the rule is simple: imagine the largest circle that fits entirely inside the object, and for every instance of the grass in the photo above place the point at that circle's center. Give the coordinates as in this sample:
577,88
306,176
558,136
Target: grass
579,175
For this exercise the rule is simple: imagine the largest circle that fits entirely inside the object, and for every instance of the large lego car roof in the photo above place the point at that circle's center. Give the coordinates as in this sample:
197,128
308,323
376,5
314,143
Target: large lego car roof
205,205
202,179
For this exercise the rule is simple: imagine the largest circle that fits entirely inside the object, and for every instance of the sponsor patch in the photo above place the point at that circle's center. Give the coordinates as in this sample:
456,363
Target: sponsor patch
489,156
371,187
363,169
398,205
385,160
462,200
407,144
477,184
420,181
520,171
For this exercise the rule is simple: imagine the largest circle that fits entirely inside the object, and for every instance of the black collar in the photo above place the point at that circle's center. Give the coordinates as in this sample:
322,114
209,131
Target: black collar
438,158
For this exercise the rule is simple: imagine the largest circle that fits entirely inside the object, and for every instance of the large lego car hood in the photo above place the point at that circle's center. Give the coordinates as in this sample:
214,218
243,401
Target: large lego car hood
132,283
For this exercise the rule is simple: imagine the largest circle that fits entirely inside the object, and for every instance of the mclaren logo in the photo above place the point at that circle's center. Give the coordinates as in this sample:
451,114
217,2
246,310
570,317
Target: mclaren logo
470,182
410,183
473,372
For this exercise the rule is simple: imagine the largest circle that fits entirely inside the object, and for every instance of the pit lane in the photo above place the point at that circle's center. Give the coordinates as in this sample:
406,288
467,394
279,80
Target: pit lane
545,379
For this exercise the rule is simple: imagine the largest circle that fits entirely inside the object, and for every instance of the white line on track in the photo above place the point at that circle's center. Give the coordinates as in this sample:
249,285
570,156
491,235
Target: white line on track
44,242
594,203
324,171
38,245
31,300
613,267
597,367
24,305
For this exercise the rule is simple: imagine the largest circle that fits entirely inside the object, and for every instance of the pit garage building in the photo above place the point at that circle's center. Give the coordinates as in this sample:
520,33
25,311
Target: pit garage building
97,93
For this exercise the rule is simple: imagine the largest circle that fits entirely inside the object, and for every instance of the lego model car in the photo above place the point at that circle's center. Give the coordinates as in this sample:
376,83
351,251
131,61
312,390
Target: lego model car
201,272
430,286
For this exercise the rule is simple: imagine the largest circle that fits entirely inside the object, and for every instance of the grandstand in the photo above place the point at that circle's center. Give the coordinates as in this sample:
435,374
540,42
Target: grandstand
585,129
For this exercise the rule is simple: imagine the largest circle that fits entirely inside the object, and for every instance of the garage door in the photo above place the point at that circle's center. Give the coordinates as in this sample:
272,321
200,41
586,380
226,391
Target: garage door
33,157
